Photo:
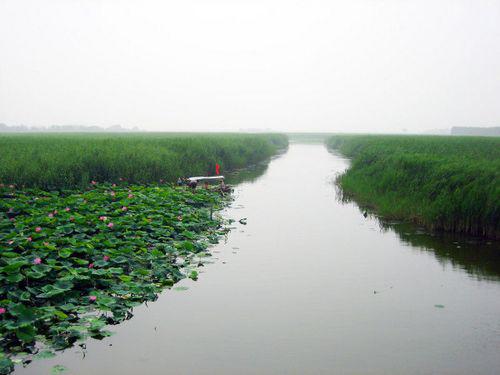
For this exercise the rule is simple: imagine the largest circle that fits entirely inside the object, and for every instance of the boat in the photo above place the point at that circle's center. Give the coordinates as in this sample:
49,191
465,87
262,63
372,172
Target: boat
208,179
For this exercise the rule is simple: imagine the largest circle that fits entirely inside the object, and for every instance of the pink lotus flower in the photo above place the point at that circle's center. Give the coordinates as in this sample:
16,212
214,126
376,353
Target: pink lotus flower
2,310
38,229
91,265
67,209
112,193
2,185
92,298
45,244
110,225
10,242
121,179
162,180
37,261
114,185
50,215
124,208
29,239
93,182
11,186
179,218
103,218
56,212
131,195
105,257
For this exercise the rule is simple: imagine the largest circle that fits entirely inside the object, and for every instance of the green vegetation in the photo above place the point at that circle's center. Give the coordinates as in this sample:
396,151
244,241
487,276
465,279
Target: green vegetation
72,262
73,160
443,183
87,233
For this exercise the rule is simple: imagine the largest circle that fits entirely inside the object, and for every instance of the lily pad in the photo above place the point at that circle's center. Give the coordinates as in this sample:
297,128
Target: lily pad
58,369
59,273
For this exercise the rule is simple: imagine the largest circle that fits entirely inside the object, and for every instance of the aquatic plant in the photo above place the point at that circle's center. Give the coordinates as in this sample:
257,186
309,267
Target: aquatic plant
72,262
443,183
54,161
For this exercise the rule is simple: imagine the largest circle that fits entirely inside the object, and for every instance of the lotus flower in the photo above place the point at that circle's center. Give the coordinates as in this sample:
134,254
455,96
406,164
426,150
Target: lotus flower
2,310
50,215
103,218
124,208
67,209
105,257
37,261
114,185
110,225
131,195
113,193
91,265
11,186
93,182
29,239
10,242
92,298
179,218
45,244
38,229
55,212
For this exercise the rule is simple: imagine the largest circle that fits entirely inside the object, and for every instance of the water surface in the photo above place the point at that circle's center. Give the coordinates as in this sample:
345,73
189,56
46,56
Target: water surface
311,286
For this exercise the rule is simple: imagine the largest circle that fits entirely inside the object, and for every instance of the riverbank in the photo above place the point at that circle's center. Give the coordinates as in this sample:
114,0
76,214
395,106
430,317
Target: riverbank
57,161
443,183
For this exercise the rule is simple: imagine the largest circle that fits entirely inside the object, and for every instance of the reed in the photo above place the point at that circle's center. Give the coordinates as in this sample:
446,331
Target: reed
443,183
53,161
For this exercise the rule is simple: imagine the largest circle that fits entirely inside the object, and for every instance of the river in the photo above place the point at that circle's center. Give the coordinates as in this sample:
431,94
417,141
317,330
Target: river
311,286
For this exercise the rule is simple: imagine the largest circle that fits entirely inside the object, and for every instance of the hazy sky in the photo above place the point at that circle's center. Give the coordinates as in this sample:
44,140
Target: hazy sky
353,65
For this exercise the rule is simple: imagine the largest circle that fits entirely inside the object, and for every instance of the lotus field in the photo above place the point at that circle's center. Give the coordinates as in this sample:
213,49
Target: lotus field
80,255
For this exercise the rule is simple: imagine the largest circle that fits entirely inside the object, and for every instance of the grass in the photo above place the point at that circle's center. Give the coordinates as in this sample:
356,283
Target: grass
443,183
54,161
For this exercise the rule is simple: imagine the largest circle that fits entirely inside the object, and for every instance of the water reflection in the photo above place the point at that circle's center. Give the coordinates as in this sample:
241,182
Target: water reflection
479,257
251,173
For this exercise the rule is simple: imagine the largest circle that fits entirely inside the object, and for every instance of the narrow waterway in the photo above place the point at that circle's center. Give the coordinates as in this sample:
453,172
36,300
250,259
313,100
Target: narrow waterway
311,286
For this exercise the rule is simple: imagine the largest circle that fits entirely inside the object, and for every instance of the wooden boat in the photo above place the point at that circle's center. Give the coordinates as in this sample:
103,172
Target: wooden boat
203,179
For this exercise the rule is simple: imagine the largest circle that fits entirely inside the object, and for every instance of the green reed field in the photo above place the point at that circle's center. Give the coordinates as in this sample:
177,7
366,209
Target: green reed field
51,161
443,183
